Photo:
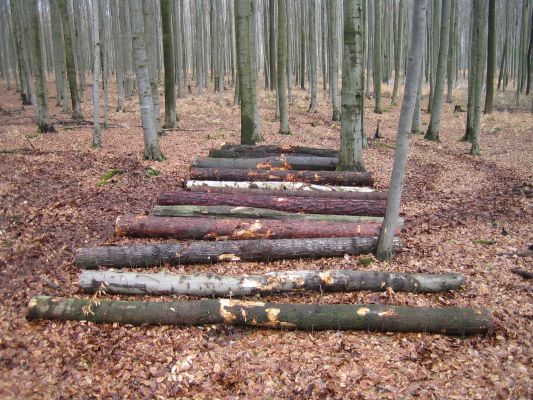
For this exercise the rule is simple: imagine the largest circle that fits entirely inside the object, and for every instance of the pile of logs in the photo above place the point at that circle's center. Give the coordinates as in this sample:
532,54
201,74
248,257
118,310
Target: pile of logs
258,203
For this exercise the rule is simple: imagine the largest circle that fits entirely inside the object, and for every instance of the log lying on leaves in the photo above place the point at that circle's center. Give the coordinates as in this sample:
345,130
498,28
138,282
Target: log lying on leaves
372,195
316,177
238,228
305,163
149,255
243,151
375,208
371,317
192,184
523,273
252,212
273,282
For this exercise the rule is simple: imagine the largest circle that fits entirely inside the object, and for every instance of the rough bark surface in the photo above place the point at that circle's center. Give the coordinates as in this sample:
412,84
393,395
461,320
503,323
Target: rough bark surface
238,228
317,177
371,317
290,204
150,255
306,163
286,186
163,283
243,151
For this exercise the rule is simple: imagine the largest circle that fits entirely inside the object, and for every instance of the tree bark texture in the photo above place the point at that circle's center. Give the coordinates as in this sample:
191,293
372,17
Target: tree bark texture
183,228
289,204
281,69
247,151
306,163
286,186
116,282
346,178
201,252
371,317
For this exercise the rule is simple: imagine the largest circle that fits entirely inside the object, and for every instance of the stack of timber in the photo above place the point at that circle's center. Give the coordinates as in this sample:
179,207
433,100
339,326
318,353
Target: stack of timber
258,203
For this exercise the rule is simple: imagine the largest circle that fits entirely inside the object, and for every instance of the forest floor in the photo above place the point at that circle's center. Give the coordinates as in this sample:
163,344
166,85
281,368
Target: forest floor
461,213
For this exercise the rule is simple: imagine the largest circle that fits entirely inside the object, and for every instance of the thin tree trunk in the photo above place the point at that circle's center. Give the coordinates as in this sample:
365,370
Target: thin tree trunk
397,53
169,64
377,56
312,55
281,69
491,57
97,137
333,59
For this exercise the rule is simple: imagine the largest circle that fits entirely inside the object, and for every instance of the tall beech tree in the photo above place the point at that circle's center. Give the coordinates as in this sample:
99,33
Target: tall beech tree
169,64
97,139
282,66
377,56
385,243
491,57
333,58
312,55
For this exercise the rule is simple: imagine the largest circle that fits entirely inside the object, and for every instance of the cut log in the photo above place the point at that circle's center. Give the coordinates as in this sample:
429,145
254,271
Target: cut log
238,228
363,195
116,282
248,151
285,186
308,205
251,212
366,317
523,273
304,163
316,177
150,255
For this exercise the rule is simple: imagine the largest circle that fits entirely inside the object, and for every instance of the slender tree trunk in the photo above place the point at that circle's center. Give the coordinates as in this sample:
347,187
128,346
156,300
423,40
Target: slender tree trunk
397,53
169,64
272,43
435,46
529,59
491,57
452,52
333,61
152,150
97,138
384,249
281,69
119,57
312,55
377,56
416,125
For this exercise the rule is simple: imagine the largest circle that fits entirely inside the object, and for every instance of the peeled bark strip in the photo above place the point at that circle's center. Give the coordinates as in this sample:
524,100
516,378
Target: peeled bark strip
252,212
371,317
150,255
304,163
317,177
247,151
375,208
272,282
293,186
289,193
238,228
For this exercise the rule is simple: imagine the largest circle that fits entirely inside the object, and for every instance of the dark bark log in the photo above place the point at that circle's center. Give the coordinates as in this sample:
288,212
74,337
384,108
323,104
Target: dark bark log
149,255
371,317
238,228
318,177
307,205
247,151
303,163
252,212
524,274
115,282
293,193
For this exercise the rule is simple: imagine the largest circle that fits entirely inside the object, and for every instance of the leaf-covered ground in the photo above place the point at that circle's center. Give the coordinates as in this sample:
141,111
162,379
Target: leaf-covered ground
462,214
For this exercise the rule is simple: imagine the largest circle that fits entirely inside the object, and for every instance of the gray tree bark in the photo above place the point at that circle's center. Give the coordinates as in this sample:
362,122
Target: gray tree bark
281,69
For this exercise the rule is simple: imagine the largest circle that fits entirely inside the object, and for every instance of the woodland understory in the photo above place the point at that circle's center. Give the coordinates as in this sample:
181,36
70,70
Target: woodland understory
462,214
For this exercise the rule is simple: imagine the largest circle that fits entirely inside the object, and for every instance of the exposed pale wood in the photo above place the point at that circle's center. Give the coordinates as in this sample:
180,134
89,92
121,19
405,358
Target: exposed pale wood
302,186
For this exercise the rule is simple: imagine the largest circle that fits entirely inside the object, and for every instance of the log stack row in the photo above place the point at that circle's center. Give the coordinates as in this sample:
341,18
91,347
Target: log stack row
258,203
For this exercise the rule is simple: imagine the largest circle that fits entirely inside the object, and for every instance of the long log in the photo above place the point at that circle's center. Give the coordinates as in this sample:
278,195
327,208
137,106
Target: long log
304,163
317,177
252,212
375,208
284,192
149,255
367,317
285,186
116,282
238,228
243,151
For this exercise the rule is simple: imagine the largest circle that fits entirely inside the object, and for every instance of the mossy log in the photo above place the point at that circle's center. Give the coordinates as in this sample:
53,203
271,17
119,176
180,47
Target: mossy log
285,186
344,178
367,317
239,228
309,205
116,282
252,212
303,163
150,255
248,151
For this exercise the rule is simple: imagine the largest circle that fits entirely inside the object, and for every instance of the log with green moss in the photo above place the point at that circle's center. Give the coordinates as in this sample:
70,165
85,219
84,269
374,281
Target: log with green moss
368,317
201,252
163,283
248,151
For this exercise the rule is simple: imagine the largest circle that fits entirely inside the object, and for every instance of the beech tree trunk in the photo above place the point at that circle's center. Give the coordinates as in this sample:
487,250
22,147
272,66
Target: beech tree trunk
281,69
163,283
309,163
293,193
288,204
238,228
367,317
253,212
169,64
247,151
318,177
157,254
286,186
